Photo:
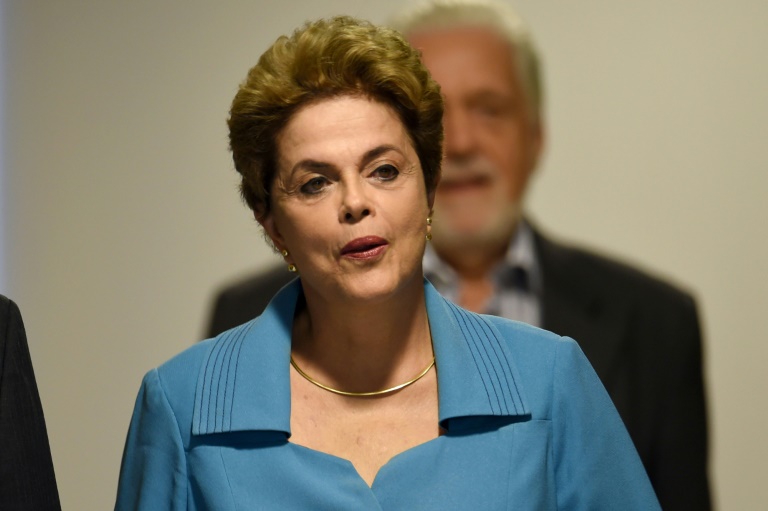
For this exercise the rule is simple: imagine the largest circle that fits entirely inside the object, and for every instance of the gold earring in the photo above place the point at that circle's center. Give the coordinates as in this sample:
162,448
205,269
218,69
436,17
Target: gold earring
429,236
429,224
291,266
429,220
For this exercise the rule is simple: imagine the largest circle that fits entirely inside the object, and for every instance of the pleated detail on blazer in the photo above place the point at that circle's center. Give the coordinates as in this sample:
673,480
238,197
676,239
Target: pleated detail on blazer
497,371
216,386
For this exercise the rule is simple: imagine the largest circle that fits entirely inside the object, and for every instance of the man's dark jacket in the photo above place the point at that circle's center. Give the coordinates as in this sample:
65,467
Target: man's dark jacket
27,480
640,334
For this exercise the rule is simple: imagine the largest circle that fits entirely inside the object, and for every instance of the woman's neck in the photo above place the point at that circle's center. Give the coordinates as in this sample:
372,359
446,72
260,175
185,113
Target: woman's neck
363,347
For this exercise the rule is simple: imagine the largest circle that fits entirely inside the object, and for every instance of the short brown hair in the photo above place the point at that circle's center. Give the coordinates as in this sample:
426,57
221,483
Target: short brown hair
323,59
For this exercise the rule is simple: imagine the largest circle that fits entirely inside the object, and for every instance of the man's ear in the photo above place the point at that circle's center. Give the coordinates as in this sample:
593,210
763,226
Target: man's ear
538,141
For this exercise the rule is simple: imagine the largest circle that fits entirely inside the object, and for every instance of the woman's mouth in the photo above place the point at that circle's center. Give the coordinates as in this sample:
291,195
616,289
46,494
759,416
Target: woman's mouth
367,247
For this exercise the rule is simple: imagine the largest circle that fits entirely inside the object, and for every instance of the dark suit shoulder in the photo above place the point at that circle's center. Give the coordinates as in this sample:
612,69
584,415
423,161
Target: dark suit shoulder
274,277
246,298
577,267
642,336
8,309
613,310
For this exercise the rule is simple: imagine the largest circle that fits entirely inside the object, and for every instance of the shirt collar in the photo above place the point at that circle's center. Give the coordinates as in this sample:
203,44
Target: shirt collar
244,384
520,255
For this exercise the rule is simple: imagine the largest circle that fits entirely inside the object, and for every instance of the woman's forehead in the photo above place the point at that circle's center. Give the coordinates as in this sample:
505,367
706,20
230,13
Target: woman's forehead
342,130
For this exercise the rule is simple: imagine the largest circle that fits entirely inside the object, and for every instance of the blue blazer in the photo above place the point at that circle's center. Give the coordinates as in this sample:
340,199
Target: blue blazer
528,425
640,334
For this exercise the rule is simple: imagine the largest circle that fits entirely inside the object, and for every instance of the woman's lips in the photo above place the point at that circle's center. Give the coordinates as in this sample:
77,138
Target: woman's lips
367,247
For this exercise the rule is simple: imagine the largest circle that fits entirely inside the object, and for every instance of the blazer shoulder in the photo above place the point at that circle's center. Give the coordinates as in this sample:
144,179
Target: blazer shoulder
540,357
183,369
531,347
5,303
517,332
8,310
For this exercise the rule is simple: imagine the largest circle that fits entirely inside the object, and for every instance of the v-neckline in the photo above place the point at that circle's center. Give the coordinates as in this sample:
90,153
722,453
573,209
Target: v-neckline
387,465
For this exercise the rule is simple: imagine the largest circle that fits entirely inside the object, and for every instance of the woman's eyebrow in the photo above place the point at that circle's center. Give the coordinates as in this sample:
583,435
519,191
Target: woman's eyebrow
316,165
310,165
374,153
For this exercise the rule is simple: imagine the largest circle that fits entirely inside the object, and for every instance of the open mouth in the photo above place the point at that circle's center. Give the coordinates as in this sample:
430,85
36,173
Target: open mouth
364,248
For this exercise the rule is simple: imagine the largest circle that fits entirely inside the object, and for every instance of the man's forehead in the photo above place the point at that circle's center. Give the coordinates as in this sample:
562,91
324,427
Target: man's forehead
467,58
455,35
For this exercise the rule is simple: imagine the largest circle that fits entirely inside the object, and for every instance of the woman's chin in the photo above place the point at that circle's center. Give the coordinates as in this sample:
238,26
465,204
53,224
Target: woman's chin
372,290
373,286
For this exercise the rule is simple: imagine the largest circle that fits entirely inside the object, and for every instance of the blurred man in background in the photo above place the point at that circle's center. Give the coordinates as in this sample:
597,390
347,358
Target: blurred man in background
640,334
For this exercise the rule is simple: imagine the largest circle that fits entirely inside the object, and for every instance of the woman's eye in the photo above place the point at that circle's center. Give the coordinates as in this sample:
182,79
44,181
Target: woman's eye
386,172
314,185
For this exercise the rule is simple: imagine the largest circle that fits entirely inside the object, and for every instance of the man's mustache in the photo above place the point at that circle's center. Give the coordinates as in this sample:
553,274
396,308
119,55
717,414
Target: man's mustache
463,170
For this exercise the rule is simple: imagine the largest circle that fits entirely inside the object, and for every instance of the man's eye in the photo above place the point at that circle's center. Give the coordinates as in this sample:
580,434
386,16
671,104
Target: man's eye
386,172
314,185
490,109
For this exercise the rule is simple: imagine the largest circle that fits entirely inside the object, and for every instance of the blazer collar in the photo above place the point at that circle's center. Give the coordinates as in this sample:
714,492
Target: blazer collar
244,385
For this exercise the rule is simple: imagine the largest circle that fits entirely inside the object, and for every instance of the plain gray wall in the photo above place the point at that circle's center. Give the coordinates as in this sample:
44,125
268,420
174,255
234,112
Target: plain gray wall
122,213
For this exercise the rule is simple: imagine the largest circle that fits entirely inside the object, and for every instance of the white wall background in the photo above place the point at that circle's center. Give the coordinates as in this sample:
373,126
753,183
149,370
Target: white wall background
122,214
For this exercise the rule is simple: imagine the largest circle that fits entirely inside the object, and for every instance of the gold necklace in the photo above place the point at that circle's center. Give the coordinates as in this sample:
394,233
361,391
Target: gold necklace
361,394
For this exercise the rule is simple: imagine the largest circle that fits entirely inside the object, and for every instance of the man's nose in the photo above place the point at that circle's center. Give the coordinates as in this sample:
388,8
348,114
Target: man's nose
459,139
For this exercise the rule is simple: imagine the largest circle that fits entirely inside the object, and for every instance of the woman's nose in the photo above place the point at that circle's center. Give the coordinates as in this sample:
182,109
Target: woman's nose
355,204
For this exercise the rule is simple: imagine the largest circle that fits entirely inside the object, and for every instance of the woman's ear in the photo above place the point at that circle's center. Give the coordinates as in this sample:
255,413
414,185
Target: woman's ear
267,222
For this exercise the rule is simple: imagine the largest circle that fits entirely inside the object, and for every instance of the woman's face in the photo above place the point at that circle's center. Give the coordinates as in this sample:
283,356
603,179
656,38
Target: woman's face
349,201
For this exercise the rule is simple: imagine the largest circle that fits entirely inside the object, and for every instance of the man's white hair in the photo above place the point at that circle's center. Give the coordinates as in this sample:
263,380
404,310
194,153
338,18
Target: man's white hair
491,14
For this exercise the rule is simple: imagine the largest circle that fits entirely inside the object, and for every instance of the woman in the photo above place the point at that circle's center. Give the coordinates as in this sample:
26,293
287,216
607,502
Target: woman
360,387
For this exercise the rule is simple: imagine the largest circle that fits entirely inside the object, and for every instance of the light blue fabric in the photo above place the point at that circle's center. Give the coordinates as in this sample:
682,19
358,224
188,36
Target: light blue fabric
529,426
